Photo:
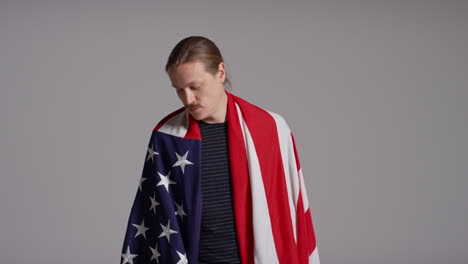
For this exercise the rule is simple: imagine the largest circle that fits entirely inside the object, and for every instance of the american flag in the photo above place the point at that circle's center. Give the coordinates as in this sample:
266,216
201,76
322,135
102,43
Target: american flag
272,215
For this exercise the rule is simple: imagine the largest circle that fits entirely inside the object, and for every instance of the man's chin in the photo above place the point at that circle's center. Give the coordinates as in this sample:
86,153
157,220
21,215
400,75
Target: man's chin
196,116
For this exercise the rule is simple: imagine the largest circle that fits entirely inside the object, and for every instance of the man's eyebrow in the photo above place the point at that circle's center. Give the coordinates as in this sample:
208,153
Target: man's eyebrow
192,82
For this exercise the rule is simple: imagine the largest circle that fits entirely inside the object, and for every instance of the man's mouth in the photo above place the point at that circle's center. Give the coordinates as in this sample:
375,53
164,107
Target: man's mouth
194,109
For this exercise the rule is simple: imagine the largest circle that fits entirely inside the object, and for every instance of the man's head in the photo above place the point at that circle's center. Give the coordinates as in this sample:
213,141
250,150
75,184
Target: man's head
197,72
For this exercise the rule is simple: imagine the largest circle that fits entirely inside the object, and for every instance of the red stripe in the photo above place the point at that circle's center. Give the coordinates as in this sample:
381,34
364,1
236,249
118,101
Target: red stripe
302,232
263,130
310,231
193,129
240,184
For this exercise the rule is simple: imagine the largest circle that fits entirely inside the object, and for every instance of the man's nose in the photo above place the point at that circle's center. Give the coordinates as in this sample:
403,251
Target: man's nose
188,97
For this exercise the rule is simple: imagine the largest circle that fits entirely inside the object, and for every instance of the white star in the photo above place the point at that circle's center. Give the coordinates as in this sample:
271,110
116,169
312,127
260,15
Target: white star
154,203
155,252
167,231
141,229
183,258
182,161
141,181
128,257
180,210
151,154
165,180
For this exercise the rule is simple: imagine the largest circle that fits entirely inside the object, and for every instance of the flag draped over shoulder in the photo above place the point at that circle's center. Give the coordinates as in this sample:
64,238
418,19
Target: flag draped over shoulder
272,215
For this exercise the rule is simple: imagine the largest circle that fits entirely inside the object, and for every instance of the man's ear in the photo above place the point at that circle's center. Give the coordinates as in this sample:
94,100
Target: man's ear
222,71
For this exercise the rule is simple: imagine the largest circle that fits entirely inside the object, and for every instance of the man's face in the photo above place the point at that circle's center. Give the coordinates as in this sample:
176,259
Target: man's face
200,91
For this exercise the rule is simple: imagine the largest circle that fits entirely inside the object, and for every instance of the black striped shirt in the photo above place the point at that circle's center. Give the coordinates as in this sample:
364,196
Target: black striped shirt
218,238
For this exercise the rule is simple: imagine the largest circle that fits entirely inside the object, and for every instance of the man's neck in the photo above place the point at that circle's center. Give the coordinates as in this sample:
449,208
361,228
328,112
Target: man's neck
220,116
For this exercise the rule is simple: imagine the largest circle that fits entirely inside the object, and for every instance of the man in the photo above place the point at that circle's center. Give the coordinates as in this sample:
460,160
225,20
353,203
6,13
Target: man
221,181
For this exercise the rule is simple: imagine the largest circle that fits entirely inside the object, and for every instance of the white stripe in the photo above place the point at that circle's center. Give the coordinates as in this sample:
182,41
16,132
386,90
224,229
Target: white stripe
177,125
264,245
305,200
314,257
289,165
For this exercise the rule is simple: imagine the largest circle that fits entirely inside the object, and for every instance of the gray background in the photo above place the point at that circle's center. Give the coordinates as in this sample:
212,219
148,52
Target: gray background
374,91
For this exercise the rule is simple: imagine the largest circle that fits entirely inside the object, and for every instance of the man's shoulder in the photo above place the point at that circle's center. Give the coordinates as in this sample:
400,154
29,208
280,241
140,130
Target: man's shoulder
280,120
263,113
168,117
